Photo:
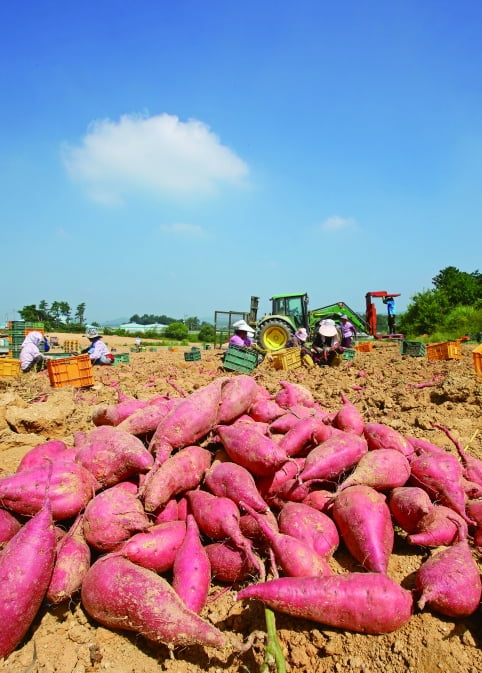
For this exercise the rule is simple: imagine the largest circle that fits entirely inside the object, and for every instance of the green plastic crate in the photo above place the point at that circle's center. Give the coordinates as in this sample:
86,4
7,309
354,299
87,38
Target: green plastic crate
193,355
121,357
240,359
416,349
349,354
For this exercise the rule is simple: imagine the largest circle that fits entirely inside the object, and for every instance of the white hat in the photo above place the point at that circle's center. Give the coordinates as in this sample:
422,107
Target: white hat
242,326
343,317
301,334
327,328
92,333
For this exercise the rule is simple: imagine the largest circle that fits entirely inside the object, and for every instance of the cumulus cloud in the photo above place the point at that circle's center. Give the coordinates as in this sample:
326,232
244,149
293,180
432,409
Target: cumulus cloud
337,223
182,228
158,154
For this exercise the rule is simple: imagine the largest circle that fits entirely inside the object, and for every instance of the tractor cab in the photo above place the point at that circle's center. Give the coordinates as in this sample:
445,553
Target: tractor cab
294,306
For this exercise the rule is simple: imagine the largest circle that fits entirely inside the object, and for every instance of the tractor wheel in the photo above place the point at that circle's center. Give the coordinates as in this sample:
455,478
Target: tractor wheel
274,335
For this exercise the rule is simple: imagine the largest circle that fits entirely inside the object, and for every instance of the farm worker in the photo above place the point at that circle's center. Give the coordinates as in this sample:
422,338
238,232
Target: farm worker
137,343
326,343
347,330
98,352
241,332
390,302
298,340
30,354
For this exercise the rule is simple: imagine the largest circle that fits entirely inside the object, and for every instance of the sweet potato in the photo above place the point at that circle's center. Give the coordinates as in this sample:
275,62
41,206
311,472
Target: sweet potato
474,510
72,562
9,526
381,436
449,582
237,395
114,414
295,557
292,394
145,420
71,488
269,487
113,516
45,452
334,456
310,526
122,595
26,565
440,526
192,569
304,436
409,504
348,418
365,525
362,602
265,411
190,420
292,415
250,527
382,469
320,499
228,563
155,549
248,448
113,455
180,472
229,480
170,512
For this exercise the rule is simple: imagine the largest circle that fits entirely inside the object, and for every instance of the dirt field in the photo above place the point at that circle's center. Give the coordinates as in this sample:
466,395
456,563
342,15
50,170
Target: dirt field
382,384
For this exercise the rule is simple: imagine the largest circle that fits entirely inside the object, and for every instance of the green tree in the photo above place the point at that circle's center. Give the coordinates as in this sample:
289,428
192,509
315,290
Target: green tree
56,311
192,323
458,286
29,313
424,313
80,313
65,311
206,333
176,330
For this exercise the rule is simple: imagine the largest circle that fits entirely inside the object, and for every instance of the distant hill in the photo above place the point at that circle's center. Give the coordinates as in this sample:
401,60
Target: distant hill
114,323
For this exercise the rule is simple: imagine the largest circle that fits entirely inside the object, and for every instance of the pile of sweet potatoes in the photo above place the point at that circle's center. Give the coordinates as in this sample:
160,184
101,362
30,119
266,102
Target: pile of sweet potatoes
235,485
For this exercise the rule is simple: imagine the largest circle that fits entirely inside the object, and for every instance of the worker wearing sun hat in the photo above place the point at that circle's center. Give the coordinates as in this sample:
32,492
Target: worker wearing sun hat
241,334
347,330
326,342
98,352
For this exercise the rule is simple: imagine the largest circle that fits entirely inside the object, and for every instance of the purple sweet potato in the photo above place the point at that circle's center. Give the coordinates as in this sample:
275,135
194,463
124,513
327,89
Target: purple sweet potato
122,595
474,510
250,449
170,512
440,526
237,396
449,582
382,469
229,480
26,564
320,499
113,414
192,569
228,563
334,456
113,516
9,526
381,436
269,487
155,549
361,602
190,420
180,472
365,525
113,455
250,527
71,564
292,415
295,557
310,526
265,410
145,420
409,504
348,418
46,452
71,488
304,436
292,394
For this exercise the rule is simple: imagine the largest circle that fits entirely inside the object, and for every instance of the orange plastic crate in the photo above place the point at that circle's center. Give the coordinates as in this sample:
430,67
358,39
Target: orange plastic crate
448,350
9,367
477,355
288,358
74,371
364,347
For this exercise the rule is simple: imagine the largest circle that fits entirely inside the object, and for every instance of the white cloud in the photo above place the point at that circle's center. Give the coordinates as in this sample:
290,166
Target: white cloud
182,228
158,154
337,223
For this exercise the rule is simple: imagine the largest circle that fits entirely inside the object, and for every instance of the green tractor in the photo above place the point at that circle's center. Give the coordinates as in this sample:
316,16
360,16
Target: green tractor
290,312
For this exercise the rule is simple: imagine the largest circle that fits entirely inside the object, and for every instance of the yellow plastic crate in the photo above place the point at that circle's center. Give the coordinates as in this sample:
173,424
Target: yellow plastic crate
75,371
9,367
288,358
477,355
448,350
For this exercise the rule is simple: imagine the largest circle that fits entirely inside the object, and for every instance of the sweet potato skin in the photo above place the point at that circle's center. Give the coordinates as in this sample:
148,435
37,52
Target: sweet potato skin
192,569
229,480
157,548
360,602
120,594
334,456
247,447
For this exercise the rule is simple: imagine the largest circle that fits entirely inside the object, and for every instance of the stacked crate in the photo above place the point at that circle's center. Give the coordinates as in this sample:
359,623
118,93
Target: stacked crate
17,330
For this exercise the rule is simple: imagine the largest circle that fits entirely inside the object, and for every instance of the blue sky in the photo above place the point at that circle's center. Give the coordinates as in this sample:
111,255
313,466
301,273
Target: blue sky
177,157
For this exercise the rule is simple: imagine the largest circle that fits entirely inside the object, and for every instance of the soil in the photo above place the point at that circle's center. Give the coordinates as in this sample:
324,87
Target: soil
383,385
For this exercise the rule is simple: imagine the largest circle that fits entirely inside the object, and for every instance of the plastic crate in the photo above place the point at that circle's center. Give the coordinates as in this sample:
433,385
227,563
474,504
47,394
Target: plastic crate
349,354
9,367
207,347
240,359
364,347
58,356
71,346
448,350
192,355
416,349
75,371
477,356
287,358
121,357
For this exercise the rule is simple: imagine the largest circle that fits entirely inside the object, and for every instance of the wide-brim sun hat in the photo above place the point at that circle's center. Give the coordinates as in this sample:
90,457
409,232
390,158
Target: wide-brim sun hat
343,317
301,334
327,328
92,333
242,326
